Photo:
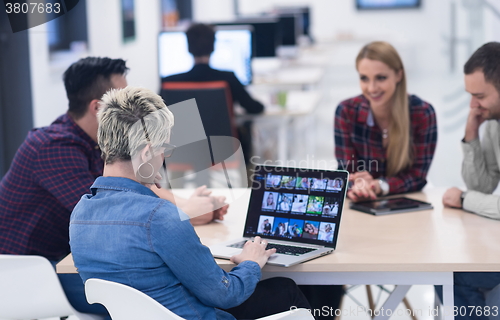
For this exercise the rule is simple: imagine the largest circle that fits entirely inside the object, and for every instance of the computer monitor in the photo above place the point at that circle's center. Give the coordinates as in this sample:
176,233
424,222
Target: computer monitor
294,22
232,52
289,27
306,22
387,4
266,33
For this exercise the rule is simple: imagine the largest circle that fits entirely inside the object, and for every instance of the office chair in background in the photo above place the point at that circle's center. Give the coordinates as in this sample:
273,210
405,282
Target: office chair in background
205,135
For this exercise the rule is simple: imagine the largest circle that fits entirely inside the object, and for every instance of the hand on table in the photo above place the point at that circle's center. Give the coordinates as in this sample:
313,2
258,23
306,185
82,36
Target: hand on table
254,251
364,187
204,208
201,207
453,198
220,207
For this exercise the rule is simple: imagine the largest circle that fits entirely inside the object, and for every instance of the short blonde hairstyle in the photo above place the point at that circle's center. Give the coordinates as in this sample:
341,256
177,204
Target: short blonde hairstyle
129,119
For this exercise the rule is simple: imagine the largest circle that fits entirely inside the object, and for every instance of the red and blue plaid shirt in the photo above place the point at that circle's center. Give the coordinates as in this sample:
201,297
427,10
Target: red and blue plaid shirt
358,142
50,172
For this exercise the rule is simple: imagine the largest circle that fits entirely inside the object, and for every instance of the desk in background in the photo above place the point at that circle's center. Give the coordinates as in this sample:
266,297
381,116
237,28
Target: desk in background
291,76
271,130
423,247
305,70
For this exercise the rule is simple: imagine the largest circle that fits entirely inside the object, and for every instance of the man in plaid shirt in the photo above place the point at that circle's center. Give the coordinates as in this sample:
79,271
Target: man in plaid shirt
57,164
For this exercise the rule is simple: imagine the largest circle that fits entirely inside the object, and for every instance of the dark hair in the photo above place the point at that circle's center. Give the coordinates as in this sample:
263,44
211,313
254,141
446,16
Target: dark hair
200,39
487,60
89,79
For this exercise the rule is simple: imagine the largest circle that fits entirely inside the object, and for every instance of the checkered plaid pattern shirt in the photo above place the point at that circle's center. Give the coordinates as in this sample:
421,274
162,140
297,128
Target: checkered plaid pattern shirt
50,172
358,142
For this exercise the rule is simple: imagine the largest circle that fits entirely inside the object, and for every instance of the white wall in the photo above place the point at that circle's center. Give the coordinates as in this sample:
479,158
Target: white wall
213,10
409,30
417,34
105,39
492,22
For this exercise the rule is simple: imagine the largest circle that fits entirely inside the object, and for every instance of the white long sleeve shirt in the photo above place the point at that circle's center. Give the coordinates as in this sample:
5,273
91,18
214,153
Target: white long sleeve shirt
481,172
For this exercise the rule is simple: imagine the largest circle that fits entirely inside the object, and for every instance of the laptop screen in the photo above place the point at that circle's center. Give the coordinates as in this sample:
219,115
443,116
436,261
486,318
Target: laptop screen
297,205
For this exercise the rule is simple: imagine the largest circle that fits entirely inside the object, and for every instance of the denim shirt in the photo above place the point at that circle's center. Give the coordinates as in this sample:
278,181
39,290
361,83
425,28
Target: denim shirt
123,232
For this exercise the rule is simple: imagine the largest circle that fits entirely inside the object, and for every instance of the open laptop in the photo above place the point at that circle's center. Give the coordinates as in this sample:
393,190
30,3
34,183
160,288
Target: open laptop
297,210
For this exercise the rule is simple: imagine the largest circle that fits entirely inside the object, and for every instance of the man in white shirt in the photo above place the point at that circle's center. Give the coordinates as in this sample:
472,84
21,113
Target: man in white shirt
480,167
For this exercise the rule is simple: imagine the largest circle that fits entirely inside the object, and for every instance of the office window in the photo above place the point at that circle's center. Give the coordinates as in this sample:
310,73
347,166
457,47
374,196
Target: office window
128,20
69,31
174,12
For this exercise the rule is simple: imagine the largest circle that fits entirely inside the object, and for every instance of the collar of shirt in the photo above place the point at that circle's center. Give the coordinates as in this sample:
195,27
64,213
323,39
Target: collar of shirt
78,130
120,184
369,120
364,112
201,66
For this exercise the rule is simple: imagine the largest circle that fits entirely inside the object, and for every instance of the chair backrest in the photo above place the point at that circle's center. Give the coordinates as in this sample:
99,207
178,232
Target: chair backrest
30,289
124,302
204,131
214,101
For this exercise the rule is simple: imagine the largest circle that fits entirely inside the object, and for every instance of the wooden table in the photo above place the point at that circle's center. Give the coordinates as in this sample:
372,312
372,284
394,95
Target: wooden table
423,247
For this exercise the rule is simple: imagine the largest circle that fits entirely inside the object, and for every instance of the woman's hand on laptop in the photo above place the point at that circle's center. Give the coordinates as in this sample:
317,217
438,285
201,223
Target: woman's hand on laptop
254,251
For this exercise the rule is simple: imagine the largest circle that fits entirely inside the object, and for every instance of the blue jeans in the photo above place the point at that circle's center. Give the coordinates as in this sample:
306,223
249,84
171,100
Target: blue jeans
74,289
468,290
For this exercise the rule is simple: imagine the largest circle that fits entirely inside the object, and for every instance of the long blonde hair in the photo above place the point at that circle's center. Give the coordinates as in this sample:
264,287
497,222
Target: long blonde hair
399,148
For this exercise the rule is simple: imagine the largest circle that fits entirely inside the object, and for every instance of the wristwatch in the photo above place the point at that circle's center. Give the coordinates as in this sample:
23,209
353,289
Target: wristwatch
462,197
384,186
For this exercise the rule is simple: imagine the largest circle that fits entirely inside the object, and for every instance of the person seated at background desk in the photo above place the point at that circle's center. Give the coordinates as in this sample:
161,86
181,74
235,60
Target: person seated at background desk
153,247
481,164
384,137
56,165
201,38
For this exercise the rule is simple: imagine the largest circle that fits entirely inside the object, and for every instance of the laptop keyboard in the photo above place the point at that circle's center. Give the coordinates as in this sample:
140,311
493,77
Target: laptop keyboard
280,248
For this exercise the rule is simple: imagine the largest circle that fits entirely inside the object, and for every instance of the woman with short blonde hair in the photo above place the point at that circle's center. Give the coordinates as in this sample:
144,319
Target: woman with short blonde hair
385,137
123,232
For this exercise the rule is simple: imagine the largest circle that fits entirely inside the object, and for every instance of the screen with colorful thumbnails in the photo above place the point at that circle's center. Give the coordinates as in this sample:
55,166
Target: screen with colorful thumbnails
300,205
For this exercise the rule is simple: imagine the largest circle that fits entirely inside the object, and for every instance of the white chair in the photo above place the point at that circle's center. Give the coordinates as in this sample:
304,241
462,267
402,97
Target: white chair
30,289
126,303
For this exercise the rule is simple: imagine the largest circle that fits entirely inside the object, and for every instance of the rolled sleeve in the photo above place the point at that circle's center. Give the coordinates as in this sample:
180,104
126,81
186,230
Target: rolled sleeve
479,168
469,149
486,205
